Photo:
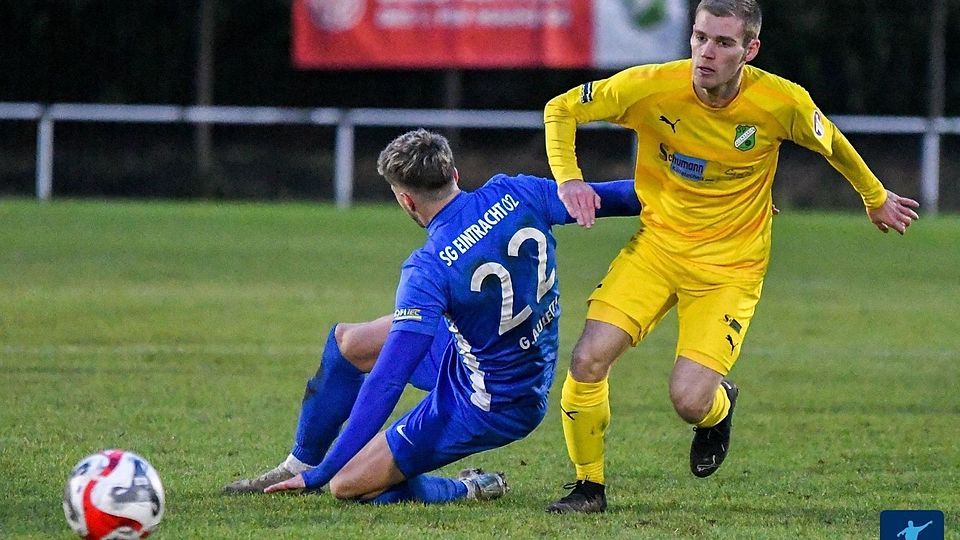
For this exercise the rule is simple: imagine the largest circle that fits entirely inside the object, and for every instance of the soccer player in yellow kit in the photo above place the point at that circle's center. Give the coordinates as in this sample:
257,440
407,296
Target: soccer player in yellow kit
709,133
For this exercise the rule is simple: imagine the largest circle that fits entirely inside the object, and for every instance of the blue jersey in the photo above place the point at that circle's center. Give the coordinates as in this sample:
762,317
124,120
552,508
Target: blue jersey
488,273
489,268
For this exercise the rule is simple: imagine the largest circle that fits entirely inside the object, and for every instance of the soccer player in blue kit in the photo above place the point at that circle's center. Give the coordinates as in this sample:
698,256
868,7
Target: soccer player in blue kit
476,308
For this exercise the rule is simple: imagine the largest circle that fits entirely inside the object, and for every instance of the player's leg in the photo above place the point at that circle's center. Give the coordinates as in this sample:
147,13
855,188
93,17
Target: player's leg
475,484
350,351
702,397
438,431
331,393
629,303
585,413
373,476
360,343
446,427
693,389
368,474
713,323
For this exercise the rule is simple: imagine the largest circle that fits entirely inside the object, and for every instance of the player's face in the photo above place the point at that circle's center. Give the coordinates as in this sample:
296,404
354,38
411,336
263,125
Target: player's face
719,54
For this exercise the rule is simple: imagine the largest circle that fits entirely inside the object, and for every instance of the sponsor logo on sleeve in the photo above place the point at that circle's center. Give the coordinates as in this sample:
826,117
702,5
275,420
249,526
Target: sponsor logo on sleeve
817,123
586,92
407,314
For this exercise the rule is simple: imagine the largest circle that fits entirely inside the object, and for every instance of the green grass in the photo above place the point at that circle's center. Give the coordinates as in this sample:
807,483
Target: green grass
185,332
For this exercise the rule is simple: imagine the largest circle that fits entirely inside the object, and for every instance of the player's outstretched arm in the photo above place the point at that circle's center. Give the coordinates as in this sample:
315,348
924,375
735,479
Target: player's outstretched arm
580,200
895,213
618,198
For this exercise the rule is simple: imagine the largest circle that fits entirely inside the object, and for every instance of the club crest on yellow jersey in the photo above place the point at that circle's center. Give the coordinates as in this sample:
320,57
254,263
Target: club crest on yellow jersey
745,137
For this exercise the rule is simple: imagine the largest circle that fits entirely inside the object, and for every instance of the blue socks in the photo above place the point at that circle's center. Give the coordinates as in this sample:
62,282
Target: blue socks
424,489
327,401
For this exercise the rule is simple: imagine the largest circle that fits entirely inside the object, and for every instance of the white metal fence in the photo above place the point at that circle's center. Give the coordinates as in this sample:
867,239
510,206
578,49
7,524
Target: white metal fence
346,120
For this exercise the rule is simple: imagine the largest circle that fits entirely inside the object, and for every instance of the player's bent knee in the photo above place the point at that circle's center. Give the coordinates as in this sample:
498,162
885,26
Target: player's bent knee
339,332
353,346
690,408
599,346
587,366
347,341
342,489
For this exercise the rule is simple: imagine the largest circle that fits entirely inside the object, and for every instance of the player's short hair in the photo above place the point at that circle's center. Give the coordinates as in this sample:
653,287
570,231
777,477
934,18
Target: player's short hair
747,11
418,160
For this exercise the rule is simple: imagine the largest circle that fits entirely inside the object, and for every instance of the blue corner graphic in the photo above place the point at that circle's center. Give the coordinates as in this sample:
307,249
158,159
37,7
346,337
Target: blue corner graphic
911,525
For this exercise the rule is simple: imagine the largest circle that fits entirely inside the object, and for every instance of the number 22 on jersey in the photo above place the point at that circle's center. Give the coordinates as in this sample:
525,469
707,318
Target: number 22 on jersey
508,320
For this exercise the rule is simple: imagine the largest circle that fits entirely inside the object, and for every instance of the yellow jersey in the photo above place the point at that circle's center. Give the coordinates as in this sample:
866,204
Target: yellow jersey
704,175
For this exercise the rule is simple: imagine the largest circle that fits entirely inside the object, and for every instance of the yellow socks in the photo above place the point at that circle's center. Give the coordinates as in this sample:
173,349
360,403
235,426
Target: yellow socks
718,410
585,415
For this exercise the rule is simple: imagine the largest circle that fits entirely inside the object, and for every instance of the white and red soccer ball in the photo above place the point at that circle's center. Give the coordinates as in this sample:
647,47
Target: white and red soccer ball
114,495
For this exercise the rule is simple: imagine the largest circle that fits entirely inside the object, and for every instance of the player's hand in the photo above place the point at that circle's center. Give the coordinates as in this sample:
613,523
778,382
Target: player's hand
294,483
897,213
580,200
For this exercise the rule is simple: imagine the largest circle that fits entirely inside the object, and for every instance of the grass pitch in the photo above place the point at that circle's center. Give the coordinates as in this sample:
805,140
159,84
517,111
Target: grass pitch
185,332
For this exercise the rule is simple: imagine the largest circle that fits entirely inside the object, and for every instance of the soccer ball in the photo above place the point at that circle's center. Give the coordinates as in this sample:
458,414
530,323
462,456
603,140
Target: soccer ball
114,495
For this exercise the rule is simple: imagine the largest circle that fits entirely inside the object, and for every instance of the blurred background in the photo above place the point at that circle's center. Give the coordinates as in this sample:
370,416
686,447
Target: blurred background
882,58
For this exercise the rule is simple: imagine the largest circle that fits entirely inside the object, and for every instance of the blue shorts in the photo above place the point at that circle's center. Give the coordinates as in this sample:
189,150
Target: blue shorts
445,427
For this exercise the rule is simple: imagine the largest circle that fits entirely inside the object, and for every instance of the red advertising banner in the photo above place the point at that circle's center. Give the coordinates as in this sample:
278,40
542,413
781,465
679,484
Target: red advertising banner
351,34
331,34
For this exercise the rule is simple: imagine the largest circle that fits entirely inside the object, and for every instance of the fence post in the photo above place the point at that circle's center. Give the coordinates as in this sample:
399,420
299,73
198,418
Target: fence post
930,169
343,164
936,95
45,157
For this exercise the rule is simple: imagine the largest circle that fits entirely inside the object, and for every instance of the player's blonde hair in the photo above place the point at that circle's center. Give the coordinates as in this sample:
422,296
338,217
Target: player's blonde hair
747,11
418,160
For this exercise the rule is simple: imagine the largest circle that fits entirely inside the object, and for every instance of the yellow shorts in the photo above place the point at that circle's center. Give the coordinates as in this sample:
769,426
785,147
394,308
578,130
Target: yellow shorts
643,283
